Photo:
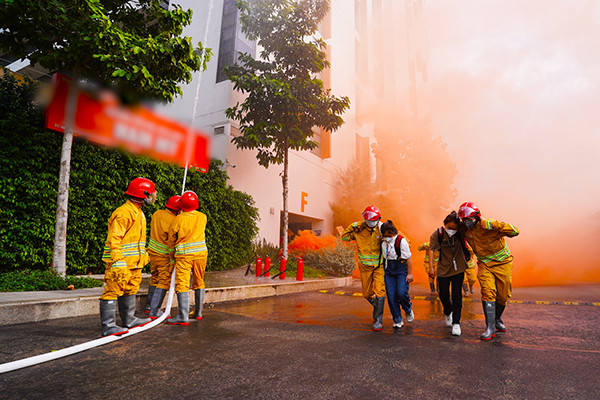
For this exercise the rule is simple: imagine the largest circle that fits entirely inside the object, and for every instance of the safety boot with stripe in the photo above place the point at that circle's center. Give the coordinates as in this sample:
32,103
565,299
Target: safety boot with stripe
199,299
127,312
156,303
182,317
380,305
500,327
107,318
149,298
489,310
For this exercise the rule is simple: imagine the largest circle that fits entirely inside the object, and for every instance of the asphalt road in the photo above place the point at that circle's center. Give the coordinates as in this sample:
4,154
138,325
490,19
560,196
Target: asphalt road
320,346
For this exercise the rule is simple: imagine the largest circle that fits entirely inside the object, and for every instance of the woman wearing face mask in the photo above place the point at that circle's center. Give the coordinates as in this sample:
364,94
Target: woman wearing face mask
368,243
450,269
397,262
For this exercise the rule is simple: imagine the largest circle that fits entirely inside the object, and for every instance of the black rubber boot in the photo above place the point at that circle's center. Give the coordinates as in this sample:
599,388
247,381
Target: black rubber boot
432,287
156,303
500,327
380,305
127,312
199,299
107,318
489,310
373,302
183,317
149,298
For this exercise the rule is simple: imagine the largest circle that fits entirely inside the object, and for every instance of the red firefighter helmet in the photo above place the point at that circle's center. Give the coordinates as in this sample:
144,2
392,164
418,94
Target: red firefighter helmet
371,213
468,210
173,203
188,201
141,188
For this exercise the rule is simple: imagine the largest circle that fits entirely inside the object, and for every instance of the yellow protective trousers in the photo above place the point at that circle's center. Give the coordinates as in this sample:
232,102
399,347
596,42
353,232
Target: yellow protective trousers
163,268
120,282
184,265
470,276
373,280
495,281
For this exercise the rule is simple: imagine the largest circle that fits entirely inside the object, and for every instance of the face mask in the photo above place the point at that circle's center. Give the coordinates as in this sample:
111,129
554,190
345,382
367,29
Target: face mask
470,223
450,232
388,239
371,224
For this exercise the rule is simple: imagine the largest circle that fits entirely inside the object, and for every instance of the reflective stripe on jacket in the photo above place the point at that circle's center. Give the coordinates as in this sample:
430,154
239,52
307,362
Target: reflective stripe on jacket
487,240
126,240
186,234
368,241
159,232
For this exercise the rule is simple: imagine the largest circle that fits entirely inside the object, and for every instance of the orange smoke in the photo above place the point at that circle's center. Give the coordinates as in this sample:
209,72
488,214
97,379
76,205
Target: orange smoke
308,241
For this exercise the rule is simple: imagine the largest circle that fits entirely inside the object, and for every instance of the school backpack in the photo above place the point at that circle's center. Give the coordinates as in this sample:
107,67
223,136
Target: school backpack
461,240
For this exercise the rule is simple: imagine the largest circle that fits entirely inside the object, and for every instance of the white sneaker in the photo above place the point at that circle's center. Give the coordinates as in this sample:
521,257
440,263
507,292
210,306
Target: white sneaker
455,330
399,325
410,317
448,319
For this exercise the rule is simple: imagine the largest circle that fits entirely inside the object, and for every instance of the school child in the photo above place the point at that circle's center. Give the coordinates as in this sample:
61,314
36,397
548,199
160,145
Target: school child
451,269
397,263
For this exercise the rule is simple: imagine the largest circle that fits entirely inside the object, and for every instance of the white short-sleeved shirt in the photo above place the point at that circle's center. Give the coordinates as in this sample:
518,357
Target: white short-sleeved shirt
389,252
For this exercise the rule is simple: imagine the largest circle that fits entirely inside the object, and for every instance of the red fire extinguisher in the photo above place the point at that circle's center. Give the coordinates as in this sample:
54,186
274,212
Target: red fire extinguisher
300,269
258,266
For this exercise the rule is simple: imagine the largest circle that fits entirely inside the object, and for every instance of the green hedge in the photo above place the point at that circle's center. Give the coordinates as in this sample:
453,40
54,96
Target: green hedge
29,165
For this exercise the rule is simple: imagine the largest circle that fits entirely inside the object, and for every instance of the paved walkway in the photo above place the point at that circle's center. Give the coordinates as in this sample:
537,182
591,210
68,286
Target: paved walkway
19,307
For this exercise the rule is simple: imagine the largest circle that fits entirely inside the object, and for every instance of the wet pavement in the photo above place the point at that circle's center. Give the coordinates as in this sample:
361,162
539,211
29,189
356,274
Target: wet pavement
319,345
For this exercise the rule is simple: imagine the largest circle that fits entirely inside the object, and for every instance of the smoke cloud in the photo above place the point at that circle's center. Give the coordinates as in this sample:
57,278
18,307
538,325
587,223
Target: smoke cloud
514,127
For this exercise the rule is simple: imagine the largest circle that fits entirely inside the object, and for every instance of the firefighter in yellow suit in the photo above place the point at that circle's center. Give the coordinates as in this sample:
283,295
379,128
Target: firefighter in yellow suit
368,242
158,250
125,256
187,239
470,274
494,263
425,247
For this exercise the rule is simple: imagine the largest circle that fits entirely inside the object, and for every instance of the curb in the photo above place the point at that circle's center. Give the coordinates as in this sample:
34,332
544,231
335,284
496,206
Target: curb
65,304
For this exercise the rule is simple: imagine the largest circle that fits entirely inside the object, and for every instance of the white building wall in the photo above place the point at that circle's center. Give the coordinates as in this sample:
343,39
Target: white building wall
308,173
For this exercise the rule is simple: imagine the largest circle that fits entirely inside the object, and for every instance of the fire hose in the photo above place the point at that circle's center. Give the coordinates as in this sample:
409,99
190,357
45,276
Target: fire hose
53,355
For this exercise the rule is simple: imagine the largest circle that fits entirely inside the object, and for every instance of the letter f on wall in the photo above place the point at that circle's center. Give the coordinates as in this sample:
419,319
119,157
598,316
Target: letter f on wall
303,200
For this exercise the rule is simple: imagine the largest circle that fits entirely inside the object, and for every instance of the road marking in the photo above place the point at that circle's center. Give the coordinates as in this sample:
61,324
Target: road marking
470,299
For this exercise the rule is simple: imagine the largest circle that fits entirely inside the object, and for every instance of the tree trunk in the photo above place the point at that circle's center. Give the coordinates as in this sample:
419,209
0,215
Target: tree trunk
59,256
284,180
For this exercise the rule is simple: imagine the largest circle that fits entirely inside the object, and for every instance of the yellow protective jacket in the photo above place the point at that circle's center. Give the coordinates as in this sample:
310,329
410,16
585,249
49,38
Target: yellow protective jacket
159,233
126,240
436,254
186,234
368,241
486,239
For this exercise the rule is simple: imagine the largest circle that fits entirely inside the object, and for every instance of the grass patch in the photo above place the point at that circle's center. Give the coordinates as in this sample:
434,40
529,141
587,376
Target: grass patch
33,280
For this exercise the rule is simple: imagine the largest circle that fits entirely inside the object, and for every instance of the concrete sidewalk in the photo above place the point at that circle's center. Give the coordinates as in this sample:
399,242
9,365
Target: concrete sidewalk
19,307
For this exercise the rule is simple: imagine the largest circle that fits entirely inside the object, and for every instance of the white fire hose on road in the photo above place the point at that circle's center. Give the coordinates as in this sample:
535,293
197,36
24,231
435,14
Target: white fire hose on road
42,358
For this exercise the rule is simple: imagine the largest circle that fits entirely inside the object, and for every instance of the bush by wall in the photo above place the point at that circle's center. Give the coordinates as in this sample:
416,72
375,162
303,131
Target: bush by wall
32,280
29,165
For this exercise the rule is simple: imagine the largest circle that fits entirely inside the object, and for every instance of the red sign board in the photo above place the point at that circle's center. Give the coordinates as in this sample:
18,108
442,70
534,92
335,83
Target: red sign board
104,120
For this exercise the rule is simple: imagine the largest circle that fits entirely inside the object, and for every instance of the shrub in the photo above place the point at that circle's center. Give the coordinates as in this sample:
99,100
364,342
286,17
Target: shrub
337,261
33,280
29,165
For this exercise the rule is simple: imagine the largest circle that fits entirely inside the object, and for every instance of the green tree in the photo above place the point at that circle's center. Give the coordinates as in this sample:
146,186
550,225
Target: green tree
135,46
284,98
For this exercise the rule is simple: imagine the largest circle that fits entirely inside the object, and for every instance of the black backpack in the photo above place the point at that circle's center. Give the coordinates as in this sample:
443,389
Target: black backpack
461,240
